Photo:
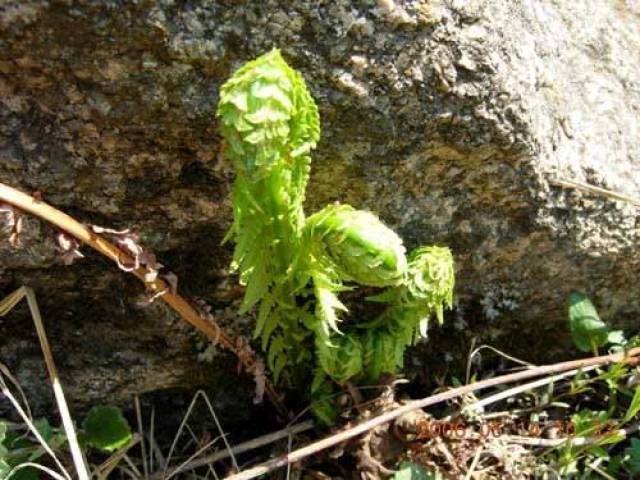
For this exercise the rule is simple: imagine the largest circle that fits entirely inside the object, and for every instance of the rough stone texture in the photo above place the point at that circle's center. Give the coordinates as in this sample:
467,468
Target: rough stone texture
448,118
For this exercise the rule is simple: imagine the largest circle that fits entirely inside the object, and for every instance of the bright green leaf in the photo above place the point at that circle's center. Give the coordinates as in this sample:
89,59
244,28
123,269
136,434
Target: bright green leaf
598,452
44,429
106,428
342,360
587,330
586,422
634,407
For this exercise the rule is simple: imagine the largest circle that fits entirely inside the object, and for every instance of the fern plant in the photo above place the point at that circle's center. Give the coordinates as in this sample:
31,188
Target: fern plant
295,268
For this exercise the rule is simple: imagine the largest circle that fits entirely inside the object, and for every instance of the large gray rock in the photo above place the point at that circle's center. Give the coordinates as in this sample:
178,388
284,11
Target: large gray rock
451,119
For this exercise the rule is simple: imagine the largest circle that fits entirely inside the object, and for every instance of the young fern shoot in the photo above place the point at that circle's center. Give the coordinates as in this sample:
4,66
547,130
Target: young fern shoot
270,124
294,268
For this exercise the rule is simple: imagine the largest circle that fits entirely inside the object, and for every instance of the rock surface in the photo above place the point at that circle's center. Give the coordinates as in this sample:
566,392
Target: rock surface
451,119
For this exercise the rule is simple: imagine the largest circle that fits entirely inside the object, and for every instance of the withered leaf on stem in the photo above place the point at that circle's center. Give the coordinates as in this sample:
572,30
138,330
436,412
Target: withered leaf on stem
12,222
68,248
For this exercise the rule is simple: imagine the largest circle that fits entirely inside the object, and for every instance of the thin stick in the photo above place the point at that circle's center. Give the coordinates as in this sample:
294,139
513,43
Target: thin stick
596,468
14,381
153,446
603,192
67,422
132,466
143,447
571,441
474,463
475,351
37,466
103,470
519,389
157,286
223,435
184,464
352,432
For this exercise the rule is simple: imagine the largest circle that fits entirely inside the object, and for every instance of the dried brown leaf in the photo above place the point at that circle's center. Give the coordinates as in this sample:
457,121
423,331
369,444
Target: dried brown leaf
12,222
244,352
68,248
172,280
98,229
260,377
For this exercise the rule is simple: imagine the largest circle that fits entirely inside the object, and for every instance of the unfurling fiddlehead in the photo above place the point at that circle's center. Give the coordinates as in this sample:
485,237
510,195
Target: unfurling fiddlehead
295,268
270,124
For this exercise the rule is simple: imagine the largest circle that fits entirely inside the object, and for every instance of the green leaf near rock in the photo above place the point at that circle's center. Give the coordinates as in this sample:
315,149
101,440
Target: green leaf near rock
44,428
106,428
587,330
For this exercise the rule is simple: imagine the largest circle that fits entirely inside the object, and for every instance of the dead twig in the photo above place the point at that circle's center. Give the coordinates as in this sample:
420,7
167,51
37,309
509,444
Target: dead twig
571,441
603,192
153,283
391,415
477,406
102,471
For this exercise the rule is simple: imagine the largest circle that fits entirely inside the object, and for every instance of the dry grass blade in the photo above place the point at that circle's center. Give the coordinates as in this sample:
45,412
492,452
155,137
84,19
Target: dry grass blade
519,389
475,351
145,468
474,464
180,468
67,422
27,420
37,466
223,435
5,371
246,446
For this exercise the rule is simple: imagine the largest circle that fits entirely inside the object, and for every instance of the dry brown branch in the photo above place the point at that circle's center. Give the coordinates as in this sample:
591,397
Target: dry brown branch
352,432
157,286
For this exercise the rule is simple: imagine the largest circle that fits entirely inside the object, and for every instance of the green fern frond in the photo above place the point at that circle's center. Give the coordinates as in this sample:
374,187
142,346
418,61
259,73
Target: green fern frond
322,405
295,268
341,359
380,354
360,246
271,124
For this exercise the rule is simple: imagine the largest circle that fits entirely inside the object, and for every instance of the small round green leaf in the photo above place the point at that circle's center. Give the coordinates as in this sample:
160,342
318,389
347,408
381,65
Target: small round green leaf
587,330
106,428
